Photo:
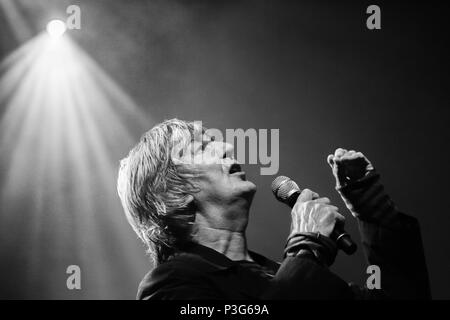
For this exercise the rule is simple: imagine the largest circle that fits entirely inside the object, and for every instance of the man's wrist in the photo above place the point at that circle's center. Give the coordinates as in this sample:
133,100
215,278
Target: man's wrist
319,246
367,199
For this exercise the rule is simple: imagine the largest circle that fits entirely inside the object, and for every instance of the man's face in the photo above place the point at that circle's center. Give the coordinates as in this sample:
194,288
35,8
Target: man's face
214,171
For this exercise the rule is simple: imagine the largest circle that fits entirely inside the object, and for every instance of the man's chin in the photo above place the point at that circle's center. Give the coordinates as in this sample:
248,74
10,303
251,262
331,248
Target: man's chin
249,189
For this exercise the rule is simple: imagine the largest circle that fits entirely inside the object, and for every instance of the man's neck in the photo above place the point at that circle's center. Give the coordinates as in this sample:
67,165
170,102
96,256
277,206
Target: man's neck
230,243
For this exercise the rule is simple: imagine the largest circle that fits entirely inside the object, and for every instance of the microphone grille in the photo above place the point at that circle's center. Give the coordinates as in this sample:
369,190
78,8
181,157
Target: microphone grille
283,187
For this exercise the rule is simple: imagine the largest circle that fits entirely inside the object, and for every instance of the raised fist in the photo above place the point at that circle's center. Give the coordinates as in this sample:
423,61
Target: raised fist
348,166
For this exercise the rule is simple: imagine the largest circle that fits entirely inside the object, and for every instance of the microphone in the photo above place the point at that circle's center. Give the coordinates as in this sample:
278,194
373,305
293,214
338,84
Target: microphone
287,191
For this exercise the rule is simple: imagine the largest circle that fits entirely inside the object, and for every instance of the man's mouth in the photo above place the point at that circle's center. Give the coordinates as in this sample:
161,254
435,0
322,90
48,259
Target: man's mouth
236,170
235,167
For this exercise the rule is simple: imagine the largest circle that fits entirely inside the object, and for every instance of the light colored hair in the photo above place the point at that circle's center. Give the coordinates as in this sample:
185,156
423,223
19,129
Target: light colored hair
154,195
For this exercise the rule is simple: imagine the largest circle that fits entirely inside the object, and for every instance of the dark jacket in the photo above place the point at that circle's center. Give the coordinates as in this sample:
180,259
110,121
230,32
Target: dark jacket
391,240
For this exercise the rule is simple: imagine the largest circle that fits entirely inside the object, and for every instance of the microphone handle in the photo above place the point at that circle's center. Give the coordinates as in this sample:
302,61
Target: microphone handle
342,238
344,241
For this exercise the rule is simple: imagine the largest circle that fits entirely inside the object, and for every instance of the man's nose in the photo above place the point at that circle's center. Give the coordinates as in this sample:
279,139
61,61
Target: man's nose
225,150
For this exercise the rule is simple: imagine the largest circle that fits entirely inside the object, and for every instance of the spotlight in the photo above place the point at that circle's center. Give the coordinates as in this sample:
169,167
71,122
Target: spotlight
56,28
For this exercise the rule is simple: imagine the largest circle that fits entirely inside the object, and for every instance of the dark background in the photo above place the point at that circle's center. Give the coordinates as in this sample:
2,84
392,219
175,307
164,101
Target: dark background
311,69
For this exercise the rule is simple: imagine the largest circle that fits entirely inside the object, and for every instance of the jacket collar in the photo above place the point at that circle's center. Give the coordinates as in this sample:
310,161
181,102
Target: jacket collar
221,262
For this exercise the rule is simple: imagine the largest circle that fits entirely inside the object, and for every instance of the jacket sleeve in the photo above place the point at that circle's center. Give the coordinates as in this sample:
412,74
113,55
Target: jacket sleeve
391,240
303,277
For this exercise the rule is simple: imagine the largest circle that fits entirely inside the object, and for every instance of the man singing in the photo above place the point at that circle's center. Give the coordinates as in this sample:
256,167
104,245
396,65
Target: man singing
188,200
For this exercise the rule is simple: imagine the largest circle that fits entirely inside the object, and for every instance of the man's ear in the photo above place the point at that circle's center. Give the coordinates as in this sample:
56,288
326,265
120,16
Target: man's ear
177,161
184,169
190,199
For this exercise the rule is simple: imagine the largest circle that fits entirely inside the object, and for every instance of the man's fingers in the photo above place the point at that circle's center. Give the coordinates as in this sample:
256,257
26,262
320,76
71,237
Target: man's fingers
339,217
332,208
339,153
307,195
334,215
347,157
330,160
340,220
353,156
323,200
320,208
342,155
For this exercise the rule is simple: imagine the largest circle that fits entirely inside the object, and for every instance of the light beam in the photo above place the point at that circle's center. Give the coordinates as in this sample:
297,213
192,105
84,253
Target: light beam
63,128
